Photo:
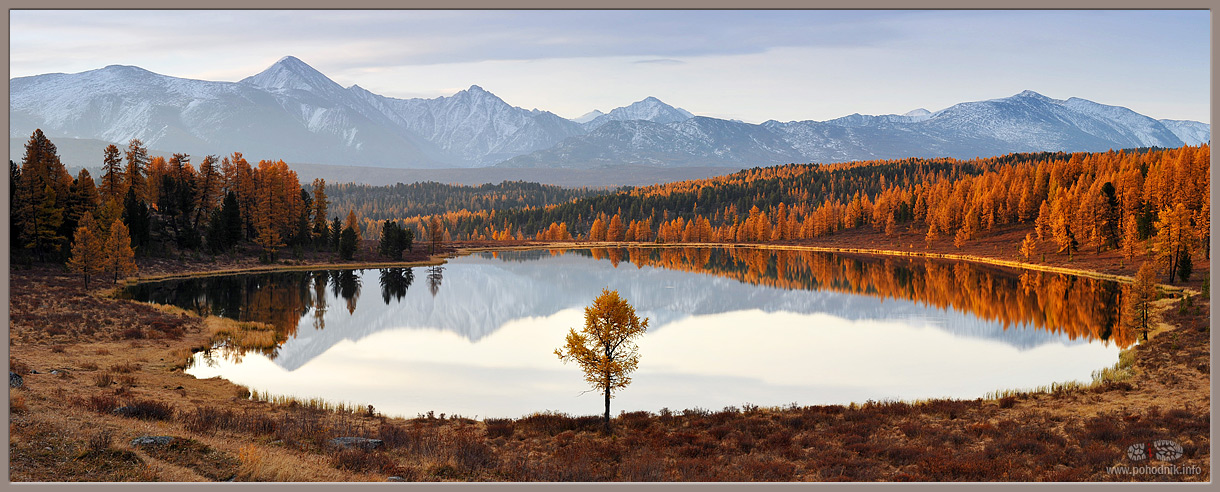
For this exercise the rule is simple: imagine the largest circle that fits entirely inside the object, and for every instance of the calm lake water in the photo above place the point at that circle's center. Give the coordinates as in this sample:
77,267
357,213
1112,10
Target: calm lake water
728,327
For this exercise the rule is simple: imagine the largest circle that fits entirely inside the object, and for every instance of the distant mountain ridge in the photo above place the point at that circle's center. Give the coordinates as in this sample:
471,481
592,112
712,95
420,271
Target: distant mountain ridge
293,112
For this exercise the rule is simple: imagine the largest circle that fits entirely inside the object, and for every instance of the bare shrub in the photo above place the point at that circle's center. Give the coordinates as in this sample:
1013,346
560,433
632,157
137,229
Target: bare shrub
103,380
102,440
147,410
124,368
101,403
499,428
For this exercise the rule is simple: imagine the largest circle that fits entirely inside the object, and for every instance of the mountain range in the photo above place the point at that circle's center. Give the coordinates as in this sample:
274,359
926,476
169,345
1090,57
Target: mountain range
291,111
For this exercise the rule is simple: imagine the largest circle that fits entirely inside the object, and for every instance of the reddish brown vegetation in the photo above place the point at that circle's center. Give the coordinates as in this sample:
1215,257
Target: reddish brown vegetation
57,423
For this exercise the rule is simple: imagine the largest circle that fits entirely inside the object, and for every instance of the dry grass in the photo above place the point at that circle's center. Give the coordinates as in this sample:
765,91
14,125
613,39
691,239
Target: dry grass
244,334
1158,390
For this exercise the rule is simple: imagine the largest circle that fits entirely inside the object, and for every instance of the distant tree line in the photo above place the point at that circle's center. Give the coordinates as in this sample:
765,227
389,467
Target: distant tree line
1146,203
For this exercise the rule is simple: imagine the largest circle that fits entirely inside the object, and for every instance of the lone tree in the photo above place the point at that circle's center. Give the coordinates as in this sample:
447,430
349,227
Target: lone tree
605,347
436,233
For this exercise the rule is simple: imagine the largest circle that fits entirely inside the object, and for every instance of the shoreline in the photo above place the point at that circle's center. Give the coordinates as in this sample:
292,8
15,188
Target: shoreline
1161,388
824,249
442,258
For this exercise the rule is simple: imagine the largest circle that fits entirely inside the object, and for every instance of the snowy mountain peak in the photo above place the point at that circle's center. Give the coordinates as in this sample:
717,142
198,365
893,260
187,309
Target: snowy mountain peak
649,108
1031,95
918,115
480,94
292,73
122,68
587,117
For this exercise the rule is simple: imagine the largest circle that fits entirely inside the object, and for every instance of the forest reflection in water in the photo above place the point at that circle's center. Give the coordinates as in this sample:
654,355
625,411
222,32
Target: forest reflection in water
1078,307
728,326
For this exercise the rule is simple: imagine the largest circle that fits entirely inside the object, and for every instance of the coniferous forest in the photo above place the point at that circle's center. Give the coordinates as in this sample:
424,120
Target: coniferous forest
1140,202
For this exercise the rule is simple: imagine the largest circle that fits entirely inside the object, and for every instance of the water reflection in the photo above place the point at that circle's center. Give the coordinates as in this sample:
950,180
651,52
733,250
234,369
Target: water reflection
434,279
807,317
394,283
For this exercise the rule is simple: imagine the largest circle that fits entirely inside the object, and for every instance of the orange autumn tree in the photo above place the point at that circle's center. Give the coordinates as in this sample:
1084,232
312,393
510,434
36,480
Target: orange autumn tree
605,347
88,252
119,258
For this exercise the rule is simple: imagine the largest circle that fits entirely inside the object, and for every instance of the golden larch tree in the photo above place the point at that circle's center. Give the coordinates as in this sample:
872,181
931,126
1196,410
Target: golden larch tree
120,258
1175,237
605,347
614,231
1138,298
1130,238
597,232
88,254
1029,246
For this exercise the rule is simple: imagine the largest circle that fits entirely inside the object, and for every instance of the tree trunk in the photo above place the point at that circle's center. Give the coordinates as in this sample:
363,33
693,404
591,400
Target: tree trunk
607,409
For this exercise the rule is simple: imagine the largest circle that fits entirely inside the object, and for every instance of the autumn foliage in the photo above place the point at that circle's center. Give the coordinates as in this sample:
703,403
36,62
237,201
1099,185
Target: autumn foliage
1135,201
605,347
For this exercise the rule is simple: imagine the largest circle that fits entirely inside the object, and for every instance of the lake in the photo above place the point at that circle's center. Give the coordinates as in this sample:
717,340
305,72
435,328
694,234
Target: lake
728,327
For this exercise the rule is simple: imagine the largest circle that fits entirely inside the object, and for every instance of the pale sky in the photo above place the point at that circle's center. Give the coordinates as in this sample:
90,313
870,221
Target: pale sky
747,65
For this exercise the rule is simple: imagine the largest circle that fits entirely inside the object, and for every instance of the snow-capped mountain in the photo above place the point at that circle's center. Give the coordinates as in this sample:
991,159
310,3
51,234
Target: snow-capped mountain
698,141
476,126
291,111
648,109
587,117
288,111
1191,132
1026,122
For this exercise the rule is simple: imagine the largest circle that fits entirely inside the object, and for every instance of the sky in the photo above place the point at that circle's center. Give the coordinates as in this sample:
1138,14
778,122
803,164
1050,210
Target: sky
748,65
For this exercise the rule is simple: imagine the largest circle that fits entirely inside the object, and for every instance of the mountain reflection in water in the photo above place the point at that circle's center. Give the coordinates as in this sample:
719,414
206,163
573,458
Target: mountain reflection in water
699,300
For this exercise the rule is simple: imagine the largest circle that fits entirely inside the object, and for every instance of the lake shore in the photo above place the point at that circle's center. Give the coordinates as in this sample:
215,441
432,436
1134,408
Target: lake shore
110,354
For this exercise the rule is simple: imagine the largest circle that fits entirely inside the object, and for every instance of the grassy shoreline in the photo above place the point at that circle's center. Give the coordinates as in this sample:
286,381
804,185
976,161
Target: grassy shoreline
1069,433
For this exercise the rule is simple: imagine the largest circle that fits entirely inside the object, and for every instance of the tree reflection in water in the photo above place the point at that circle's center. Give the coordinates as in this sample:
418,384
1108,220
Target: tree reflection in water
1079,307
434,279
394,283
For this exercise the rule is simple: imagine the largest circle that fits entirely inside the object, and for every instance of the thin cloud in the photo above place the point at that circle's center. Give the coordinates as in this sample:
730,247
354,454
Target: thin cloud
660,61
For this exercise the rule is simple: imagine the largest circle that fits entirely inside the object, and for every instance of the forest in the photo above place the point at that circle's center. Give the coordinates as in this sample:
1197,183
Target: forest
1142,202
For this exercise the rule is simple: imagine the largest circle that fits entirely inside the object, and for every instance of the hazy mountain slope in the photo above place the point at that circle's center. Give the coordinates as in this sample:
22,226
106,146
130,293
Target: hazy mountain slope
1191,132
